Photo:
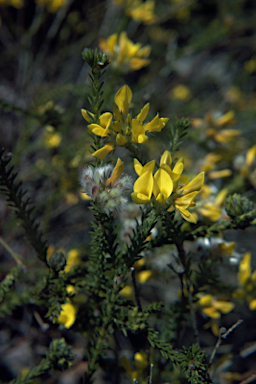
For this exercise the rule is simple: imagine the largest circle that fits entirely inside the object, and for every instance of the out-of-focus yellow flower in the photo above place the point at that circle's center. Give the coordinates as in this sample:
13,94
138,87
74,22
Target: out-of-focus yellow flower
67,316
52,5
250,65
246,164
245,269
124,54
211,205
247,281
213,126
142,11
127,292
143,276
52,139
208,166
214,308
180,92
73,259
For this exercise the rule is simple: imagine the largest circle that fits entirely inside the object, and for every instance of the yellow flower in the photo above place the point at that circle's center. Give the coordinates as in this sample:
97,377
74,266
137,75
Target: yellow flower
121,126
212,205
103,128
164,183
245,269
181,92
73,259
214,308
52,139
247,281
142,11
67,316
185,197
124,54
213,125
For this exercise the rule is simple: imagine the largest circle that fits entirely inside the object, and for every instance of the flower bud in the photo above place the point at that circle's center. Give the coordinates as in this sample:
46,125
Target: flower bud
57,261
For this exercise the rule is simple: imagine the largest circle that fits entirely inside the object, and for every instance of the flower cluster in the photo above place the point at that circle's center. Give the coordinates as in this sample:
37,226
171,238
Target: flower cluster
106,186
167,185
120,125
124,54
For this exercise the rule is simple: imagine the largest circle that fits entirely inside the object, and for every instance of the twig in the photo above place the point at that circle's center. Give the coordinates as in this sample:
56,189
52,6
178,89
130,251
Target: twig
223,334
15,255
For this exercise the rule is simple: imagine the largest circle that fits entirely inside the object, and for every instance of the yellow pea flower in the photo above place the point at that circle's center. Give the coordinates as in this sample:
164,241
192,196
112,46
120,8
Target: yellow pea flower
143,188
124,54
103,128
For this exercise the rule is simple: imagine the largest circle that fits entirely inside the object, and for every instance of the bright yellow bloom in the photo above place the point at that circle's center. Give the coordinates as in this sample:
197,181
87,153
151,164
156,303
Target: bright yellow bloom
167,186
143,276
124,54
67,316
103,128
121,126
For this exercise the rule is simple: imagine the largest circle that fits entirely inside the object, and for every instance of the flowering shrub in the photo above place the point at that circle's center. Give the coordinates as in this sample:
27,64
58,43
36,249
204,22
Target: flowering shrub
144,222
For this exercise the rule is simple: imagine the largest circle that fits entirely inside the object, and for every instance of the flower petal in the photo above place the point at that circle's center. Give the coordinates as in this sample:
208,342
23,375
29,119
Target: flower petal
123,98
104,151
163,182
195,184
117,172
143,113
